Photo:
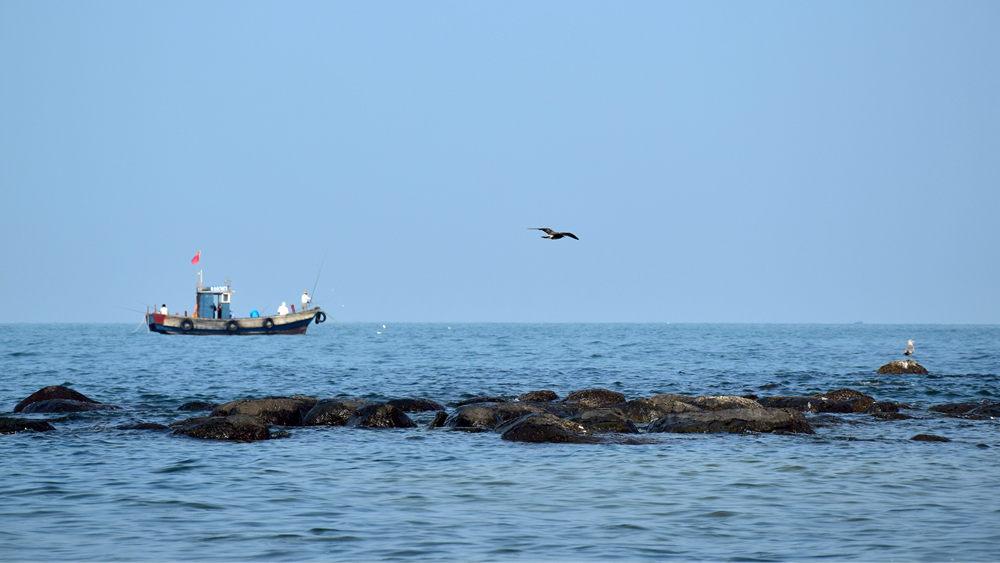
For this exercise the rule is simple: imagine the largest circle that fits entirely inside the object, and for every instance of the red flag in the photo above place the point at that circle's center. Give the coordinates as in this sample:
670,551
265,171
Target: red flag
197,257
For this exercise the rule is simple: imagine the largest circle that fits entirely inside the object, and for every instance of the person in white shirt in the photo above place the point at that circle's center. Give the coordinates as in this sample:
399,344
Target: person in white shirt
305,299
163,309
283,309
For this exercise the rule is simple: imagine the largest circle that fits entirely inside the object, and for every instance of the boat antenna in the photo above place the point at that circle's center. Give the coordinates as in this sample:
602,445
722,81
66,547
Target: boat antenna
318,272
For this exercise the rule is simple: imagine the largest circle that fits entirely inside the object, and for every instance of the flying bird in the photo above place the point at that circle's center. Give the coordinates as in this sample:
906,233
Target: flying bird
553,235
909,348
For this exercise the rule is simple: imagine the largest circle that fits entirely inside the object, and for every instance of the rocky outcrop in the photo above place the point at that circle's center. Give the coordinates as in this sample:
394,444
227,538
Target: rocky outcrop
605,420
415,405
901,367
797,402
541,396
284,411
481,399
15,425
648,409
439,418
380,416
52,392
930,438
838,401
197,406
980,410
724,402
333,412
488,416
734,420
234,428
595,398
65,405
545,428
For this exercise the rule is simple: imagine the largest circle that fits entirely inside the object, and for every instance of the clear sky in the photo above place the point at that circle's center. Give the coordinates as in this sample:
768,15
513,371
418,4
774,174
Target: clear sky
721,161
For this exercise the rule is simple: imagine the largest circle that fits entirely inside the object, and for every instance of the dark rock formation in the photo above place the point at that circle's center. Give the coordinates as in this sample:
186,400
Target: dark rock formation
734,420
481,399
415,405
843,400
487,416
197,406
285,411
595,398
890,416
542,396
333,412
52,392
544,427
605,420
15,425
143,426
648,409
797,402
981,410
724,402
930,438
235,428
65,405
439,418
900,367
380,416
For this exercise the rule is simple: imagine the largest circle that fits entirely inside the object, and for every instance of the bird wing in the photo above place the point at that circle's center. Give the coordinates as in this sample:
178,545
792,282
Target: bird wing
571,235
545,230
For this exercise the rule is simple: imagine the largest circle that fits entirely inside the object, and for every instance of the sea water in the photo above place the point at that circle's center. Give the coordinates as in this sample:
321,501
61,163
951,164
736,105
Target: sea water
859,489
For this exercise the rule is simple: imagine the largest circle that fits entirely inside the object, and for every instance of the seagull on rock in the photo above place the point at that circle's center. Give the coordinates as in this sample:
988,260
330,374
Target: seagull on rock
553,235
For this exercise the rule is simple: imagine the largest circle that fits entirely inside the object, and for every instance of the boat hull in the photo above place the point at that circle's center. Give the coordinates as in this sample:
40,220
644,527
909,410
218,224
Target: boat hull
293,323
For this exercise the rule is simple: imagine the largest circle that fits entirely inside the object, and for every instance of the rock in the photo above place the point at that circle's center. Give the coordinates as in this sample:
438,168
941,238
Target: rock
734,420
333,412
415,405
143,426
890,416
884,407
235,428
725,402
488,416
542,396
439,418
843,400
930,438
595,398
648,409
53,392
481,399
605,420
65,405
796,402
197,406
900,367
545,427
15,425
981,410
380,416
284,411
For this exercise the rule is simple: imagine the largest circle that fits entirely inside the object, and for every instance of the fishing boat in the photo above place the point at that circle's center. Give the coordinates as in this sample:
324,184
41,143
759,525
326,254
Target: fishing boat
212,316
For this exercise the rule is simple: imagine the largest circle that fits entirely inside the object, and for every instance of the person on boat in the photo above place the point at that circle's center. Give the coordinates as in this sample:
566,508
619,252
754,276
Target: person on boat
305,299
163,309
283,309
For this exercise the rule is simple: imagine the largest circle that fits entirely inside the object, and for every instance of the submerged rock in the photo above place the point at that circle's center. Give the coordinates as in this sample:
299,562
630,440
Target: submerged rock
234,428
333,412
648,409
541,396
724,402
380,416
605,420
595,398
15,425
900,367
797,402
930,438
284,411
439,418
734,420
65,405
978,410
481,399
197,406
143,426
487,416
415,405
545,427
53,392
844,400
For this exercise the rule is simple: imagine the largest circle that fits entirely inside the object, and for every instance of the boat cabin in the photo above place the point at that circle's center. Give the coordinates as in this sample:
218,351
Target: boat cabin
213,302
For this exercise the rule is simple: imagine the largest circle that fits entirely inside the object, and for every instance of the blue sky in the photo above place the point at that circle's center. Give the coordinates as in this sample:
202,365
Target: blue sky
720,161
